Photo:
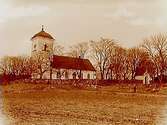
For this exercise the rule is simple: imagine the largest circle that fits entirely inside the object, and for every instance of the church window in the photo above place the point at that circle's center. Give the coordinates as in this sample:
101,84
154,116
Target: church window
80,75
58,75
88,76
66,75
74,75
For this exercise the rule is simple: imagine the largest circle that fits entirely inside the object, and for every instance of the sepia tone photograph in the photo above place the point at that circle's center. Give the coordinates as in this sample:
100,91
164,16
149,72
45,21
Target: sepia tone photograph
83,62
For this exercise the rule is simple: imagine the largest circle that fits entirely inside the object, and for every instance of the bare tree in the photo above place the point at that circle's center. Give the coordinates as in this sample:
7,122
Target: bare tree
102,51
42,65
79,50
119,65
6,65
156,47
30,66
16,67
136,56
58,49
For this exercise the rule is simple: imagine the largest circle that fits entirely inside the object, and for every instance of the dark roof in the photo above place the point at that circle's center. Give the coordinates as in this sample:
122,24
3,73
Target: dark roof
140,71
65,62
43,34
145,66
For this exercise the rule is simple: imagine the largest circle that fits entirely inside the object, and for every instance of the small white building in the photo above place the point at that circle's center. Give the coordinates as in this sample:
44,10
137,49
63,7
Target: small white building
59,67
142,74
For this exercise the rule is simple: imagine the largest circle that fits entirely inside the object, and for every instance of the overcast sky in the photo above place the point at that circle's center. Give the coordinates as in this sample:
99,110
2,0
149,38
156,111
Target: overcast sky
72,21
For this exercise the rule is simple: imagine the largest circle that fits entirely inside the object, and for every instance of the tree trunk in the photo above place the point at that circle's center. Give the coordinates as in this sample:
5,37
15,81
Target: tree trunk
41,75
111,75
102,76
51,73
124,76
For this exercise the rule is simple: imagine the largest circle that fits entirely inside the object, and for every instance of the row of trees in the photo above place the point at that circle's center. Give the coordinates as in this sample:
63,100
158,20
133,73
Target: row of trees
21,67
12,67
109,58
116,62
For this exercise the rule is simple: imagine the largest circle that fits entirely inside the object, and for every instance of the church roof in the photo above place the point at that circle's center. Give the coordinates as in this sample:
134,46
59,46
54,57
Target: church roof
42,33
65,62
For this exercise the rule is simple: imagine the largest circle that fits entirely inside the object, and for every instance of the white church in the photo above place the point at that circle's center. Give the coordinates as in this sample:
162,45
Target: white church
59,67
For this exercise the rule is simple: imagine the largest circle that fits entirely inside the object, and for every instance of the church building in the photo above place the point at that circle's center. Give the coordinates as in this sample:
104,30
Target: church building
59,67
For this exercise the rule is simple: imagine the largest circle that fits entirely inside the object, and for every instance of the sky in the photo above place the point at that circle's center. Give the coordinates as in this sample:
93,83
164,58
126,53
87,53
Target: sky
73,21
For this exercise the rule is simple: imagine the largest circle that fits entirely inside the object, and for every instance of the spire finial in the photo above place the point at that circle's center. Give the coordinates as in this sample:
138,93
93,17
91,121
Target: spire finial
42,27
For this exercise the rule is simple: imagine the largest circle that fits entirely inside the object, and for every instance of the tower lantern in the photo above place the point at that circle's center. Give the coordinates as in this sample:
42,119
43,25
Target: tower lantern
42,28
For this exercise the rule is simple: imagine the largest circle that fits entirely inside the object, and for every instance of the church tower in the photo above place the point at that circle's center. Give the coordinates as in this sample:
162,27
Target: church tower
42,45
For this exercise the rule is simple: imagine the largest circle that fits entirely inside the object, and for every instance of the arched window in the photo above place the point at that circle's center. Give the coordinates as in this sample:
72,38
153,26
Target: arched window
66,75
74,75
58,75
80,75
45,47
88,76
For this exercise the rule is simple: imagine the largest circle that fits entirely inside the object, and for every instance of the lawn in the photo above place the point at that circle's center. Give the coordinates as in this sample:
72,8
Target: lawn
42,104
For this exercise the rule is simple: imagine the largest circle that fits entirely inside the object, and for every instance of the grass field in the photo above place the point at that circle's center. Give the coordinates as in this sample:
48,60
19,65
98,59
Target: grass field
30,104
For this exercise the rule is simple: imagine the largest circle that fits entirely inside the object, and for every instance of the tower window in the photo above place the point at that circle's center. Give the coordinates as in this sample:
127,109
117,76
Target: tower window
45,47
35,47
